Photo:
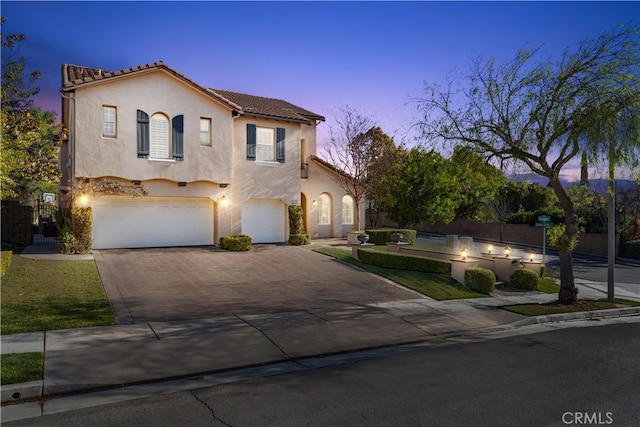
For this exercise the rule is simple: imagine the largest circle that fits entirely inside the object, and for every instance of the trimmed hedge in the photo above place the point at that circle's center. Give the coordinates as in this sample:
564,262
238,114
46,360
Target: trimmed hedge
6,261
299,239
524,278
480,279
382,236
236,242
403,262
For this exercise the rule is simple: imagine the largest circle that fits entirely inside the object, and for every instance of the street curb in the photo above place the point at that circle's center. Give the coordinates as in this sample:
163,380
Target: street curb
34,389
580,315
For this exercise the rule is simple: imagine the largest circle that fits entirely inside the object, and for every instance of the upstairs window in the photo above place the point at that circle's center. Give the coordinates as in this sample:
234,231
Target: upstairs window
159,137
154,139
109,121
265,144
205,131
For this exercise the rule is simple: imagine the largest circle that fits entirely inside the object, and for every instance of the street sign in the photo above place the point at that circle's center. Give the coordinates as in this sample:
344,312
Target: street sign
544,218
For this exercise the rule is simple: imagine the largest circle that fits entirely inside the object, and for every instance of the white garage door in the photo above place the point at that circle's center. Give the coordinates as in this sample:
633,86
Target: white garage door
127,222
263,221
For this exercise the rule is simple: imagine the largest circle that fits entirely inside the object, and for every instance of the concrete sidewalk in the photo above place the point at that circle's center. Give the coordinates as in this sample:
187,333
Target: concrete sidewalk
80,361
86,359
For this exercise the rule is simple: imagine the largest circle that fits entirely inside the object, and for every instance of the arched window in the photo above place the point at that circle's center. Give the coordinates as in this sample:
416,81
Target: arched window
347,209
159,137
324,209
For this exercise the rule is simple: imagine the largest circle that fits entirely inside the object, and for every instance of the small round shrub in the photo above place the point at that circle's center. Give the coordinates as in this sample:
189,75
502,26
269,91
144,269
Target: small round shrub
524,278
480,279
236,242
299,239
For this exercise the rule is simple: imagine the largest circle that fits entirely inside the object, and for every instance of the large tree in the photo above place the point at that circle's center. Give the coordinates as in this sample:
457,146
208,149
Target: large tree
361,151
537,114
421,188
29,134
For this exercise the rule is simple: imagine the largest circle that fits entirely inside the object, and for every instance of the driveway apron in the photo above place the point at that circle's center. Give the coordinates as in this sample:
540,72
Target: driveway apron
161,284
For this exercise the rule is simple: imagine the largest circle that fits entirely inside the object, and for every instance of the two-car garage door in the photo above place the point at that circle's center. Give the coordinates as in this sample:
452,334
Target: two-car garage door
126,222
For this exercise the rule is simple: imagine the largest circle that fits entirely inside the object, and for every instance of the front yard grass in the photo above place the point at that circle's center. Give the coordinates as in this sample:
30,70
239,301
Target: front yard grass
40,295
437,286
557,308
21,367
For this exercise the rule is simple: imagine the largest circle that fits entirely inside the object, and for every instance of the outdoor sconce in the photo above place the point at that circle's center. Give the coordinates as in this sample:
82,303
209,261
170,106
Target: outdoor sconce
463,253
507,251
490,248
83,201
314,203
531,257
224,201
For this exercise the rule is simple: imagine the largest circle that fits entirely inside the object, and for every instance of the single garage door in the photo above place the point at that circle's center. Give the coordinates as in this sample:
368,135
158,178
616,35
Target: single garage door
263,220
127,222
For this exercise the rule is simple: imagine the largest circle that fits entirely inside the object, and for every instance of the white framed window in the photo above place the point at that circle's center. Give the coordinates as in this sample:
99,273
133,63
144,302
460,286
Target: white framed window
324,209
265,144
109,115
347,209
205,131
159,137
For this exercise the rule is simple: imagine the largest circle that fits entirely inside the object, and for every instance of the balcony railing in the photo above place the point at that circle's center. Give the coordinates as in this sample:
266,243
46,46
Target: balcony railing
304,170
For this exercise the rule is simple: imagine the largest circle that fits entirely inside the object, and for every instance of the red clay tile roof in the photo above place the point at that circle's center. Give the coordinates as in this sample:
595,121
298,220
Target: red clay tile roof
74,76
269,107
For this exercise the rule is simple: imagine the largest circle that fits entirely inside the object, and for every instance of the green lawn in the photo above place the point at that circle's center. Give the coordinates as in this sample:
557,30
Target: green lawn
437,286
39,295
21,367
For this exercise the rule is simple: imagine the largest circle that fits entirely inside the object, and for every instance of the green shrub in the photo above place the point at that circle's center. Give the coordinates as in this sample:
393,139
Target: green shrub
296,223
74,230
299,239
404,262
630,249
5,256
524,278
236,242
480,279
382,236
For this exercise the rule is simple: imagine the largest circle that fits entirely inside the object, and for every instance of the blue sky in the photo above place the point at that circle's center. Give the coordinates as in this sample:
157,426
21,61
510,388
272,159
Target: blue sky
372,56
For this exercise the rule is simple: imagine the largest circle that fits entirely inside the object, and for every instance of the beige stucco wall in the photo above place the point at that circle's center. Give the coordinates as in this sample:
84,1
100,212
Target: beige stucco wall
321,181
265,180
152,92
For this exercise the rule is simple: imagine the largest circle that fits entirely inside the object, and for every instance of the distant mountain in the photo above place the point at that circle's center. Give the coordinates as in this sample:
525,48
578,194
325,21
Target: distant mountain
598,185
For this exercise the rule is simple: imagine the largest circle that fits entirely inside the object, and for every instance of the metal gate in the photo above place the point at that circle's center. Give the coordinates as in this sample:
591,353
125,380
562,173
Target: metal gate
44,223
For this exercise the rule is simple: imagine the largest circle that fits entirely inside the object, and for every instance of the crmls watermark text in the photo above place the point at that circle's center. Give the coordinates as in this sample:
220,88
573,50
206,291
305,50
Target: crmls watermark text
587,418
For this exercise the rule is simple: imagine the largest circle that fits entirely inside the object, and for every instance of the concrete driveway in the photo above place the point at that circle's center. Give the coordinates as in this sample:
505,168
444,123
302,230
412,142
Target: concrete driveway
158,284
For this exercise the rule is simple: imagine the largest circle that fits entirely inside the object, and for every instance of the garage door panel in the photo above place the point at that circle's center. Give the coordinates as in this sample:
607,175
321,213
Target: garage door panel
150,222
264,221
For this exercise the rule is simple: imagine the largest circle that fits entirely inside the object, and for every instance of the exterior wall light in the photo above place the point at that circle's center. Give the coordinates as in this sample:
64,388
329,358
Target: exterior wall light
507,251
490,249
224,201
463,253
83,201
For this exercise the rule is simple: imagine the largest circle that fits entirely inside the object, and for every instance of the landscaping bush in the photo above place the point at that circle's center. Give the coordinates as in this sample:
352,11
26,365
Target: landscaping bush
74,230
480,280
524,278
299,239
236,242
630,249
5,256
382,236
404,262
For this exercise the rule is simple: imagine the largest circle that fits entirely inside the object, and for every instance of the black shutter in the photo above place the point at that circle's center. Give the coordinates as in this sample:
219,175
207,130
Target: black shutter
251,141
143,134
280,144
177,125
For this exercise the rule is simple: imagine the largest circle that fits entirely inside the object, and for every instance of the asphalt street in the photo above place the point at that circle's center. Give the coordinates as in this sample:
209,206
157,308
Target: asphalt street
544,379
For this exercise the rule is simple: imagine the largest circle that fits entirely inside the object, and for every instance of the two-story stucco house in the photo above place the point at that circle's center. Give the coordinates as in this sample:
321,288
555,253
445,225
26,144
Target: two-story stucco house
212,162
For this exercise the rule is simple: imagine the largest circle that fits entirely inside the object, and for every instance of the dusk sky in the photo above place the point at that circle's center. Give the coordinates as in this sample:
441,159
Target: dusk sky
372,56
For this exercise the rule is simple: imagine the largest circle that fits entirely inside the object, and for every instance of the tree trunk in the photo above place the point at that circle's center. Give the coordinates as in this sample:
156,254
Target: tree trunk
568,293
